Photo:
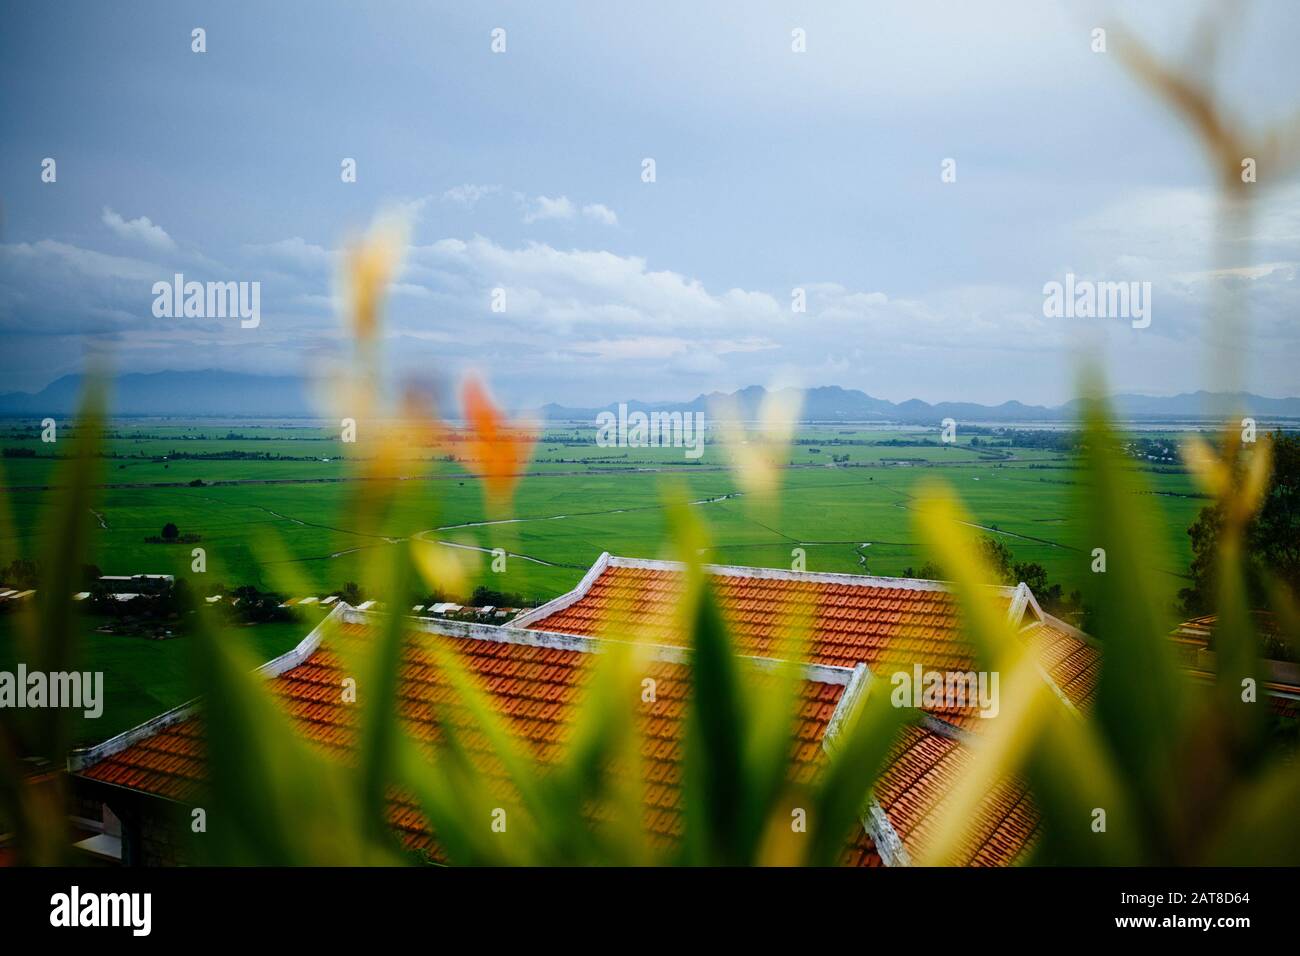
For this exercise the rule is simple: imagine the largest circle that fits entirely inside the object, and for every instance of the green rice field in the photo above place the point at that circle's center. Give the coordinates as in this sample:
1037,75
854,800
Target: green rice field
275,510
259,517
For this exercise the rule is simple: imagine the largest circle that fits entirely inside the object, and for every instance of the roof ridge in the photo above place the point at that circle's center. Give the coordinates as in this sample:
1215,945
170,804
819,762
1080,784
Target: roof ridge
781,574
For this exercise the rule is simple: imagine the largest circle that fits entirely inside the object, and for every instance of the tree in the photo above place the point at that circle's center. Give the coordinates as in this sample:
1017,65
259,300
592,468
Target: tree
22,573
1272,538
1035,575
927,572
998,557
485,596
177,600
252,606
170,532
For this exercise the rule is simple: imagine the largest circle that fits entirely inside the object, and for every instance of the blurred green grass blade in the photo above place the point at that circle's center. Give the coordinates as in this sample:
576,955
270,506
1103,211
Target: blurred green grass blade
1000,754
451,792
602,764
944,529
715,771
857,758
1072,777
1263,826
273,800
1140,703
517,761
1006,741
65,544
773,704
48,639
379,693
1237,643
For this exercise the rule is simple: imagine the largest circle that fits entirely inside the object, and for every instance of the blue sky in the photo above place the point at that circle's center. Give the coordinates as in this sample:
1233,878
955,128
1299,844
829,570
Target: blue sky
521,170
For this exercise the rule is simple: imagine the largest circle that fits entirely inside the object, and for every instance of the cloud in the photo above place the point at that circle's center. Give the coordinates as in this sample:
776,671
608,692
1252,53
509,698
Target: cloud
138,230
600,213
544,207
295,252
468,194
590,324
562,208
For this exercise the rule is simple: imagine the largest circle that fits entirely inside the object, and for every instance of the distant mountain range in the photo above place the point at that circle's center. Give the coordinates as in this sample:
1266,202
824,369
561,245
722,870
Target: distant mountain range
239,395
834,404
175,395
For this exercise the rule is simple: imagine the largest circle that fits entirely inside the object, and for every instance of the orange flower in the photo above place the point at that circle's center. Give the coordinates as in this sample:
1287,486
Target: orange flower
498,451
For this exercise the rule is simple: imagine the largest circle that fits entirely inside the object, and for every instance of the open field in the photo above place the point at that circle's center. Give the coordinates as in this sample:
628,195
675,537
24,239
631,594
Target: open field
257,514
286,523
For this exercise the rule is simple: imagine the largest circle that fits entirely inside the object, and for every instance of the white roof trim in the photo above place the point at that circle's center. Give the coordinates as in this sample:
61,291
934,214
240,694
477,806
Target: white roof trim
848,700
780,574
888,843
307,646
558,604
945,729
85,757
1023,600
874,819
1034,607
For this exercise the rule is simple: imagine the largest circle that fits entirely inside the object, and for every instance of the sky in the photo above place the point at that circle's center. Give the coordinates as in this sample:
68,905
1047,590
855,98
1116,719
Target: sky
522,170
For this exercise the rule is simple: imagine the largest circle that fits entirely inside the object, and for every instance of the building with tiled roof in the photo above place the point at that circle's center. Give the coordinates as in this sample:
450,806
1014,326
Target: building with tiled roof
534,669
1193,643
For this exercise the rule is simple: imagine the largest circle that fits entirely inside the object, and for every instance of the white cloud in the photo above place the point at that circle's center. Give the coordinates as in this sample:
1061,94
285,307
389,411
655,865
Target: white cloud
468,194
49,256
296,252
140,229
562,208
606,324
600,213
544,207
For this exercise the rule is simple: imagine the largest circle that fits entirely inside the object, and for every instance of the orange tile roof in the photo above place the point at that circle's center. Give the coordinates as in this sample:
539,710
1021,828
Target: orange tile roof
885,623
862,852
1073,664
917,783
168,763
878,622
534,687
1191,641
851,623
